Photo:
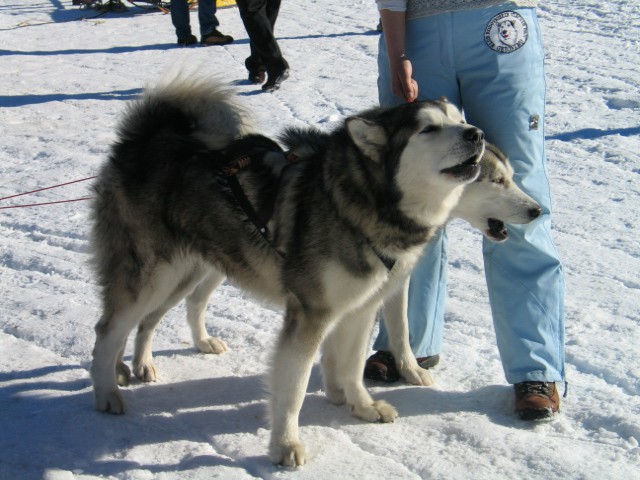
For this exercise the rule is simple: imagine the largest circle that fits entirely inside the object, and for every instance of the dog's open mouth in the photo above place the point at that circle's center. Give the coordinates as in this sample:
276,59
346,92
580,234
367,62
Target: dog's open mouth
497,230
466,171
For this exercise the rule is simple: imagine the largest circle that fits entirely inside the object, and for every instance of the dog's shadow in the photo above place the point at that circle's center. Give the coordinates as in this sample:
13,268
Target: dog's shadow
493,401
48,414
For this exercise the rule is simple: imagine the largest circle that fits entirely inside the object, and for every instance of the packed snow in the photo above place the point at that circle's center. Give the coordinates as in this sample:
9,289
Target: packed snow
67,74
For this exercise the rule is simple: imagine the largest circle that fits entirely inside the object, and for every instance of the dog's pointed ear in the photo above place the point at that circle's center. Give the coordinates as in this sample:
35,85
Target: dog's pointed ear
368,136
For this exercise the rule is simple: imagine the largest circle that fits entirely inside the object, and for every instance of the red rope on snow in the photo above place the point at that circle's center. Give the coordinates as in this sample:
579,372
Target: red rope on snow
46,203
46,188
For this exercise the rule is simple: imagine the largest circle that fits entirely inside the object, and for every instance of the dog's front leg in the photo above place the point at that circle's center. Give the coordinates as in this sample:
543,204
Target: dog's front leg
397,323
297,346
343,359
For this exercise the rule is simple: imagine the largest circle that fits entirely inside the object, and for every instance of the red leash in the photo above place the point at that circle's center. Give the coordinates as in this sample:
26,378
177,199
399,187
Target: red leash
46,188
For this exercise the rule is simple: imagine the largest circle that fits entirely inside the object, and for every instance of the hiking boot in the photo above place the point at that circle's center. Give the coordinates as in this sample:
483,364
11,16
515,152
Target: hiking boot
275,80
215,38
381,367
536,400
186,41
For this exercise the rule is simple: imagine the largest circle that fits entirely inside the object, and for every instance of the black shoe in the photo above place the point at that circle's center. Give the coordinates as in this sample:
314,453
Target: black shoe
257,76
215,38
381,367
111,6
189,40
118,6
275,80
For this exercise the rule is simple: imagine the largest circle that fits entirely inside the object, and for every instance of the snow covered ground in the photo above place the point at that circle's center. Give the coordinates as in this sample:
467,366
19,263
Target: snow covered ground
66,78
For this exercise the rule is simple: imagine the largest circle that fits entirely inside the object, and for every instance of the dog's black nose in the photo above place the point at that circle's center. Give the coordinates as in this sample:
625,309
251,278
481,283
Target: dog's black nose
535,212
474,135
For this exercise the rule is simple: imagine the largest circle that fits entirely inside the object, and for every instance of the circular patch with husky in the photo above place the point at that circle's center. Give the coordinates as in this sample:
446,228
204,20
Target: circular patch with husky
506,32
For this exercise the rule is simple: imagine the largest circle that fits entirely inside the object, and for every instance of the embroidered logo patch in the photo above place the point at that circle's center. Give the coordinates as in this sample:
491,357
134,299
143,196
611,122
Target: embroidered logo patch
506,32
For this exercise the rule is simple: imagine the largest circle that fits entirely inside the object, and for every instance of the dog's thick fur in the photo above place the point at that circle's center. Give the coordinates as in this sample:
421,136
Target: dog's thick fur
489,202
350,219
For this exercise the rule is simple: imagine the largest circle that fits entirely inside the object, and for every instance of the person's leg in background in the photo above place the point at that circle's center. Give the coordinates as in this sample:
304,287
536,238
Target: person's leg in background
258,17
180,20
209,34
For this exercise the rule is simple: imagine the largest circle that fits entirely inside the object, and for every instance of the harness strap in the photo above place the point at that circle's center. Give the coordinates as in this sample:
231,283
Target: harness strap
235,166
261,218
246,206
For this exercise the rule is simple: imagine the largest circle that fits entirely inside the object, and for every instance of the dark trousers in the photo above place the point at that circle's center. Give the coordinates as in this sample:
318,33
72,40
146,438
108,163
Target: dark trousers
206,17
259,18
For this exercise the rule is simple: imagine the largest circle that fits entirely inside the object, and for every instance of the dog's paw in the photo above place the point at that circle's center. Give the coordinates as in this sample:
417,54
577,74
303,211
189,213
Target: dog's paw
123,374
110,402
145,371
379,411
417,375
288,454
211,345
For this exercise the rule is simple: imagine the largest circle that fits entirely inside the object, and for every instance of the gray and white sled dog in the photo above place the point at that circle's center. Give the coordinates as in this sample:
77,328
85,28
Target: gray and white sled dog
190,196
489,202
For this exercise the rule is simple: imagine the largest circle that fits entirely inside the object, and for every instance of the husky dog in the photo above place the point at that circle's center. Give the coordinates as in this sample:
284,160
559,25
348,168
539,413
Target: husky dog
190,196
489,202
494,198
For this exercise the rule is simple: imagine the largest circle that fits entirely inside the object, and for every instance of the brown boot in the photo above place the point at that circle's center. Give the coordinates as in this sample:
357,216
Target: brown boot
536,400
215,38
381,366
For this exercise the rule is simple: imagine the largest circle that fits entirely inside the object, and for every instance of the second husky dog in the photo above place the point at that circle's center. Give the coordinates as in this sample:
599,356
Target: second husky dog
492,200
188,198
489,202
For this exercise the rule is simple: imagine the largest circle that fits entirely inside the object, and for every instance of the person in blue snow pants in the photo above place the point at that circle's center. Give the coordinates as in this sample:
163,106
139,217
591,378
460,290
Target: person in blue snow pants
489,61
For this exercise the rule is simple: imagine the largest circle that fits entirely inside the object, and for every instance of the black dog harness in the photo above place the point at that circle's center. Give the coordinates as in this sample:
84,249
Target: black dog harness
239,156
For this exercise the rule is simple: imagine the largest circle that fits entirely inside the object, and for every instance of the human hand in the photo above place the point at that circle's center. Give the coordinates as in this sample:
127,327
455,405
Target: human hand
403,85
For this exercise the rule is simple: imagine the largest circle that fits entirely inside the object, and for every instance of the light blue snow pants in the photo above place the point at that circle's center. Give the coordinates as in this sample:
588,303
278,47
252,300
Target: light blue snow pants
503,93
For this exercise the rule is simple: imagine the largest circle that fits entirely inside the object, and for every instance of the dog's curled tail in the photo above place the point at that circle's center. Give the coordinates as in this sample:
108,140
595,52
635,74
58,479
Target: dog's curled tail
188,111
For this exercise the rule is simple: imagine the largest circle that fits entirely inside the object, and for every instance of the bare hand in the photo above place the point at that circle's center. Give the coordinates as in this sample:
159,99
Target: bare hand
403,85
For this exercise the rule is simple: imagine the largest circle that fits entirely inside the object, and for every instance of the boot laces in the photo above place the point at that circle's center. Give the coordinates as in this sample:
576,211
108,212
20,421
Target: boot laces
533,388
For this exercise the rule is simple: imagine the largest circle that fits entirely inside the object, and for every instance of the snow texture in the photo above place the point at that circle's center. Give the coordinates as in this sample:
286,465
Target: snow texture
67,75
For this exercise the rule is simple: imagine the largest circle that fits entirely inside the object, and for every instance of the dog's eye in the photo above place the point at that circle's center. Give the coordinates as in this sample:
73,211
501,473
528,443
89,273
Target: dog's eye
498,181
430,129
